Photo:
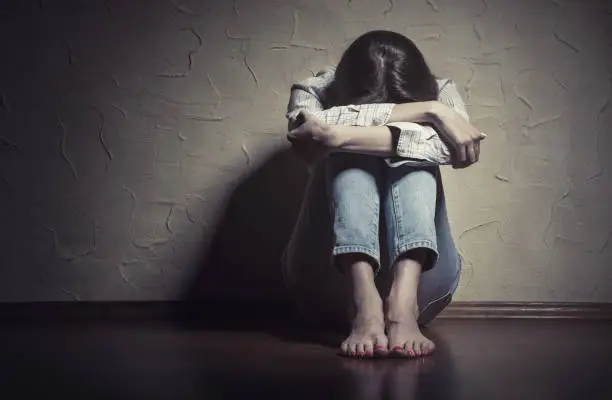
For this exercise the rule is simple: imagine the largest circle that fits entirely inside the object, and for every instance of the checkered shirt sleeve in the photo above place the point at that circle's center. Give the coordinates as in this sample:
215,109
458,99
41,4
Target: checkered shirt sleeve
418,145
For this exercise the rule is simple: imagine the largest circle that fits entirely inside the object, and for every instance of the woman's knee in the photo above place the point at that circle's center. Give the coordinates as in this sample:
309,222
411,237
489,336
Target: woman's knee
355,202
411,207
421,181
352,175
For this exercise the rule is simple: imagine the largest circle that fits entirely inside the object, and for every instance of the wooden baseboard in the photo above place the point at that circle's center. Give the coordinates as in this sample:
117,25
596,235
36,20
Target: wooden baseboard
471,309
246,312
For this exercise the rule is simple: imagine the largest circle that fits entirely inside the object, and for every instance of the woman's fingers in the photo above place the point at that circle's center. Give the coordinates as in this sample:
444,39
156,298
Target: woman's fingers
471,153
467,154
297,133
459,161
462,153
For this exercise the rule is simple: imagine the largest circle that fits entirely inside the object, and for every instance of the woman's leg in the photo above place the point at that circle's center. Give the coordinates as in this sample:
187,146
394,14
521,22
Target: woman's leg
410,211
438,285
353,181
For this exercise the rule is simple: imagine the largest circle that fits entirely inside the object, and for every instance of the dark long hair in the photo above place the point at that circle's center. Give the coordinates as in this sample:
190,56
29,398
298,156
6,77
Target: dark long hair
382,67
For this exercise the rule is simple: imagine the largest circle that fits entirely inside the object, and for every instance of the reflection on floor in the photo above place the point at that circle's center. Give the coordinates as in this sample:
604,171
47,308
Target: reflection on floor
475,359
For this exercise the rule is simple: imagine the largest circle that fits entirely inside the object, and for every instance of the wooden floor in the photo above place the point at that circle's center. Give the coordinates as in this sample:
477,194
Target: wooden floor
475,359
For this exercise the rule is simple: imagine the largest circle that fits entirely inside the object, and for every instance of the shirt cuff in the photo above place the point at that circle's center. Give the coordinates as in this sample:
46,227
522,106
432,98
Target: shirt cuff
408,141
418,144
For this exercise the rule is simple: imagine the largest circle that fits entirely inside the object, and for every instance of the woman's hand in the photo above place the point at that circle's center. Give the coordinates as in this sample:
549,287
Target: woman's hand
464,138
313,139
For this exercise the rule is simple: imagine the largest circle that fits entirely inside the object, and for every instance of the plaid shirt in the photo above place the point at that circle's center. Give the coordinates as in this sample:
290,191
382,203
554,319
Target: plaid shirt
418,145
307,258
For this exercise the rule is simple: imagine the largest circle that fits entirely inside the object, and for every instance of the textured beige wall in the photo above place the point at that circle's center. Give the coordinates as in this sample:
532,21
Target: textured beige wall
125,126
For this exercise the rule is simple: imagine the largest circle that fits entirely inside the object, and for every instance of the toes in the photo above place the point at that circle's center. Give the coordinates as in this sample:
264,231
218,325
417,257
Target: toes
381,350
368,348
423,347
344,348
360,349
409,348
416,348
353,349
419,347
381,345
348,348
429,347
426,347
397,349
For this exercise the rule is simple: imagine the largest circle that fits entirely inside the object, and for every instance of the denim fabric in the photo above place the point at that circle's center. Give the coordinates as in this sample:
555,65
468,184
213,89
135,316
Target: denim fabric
318,290
362,187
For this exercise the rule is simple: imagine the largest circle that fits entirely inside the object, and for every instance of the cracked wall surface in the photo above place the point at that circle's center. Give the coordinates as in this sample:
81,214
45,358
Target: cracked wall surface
125,127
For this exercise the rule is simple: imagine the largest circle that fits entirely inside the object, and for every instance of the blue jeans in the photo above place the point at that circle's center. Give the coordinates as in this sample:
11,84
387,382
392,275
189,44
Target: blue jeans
317,289
361,187
363,191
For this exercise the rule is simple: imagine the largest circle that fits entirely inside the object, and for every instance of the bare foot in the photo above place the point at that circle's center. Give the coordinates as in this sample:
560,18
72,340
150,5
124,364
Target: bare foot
367,337
405,337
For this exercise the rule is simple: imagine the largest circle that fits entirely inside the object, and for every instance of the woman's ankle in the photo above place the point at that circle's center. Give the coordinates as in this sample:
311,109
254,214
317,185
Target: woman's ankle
401,309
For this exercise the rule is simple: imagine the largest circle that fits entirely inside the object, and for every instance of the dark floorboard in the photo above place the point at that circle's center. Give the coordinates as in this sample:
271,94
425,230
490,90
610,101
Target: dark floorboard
475,359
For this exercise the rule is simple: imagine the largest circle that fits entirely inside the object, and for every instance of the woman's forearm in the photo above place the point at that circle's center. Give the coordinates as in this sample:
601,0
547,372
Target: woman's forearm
382,140
378,141
414,112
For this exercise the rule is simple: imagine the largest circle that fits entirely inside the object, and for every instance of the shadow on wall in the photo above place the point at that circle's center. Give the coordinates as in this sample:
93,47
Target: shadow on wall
242,265
243,260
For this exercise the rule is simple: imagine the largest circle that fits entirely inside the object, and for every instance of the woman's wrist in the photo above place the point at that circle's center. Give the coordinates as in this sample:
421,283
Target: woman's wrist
371,140
436,113
338,136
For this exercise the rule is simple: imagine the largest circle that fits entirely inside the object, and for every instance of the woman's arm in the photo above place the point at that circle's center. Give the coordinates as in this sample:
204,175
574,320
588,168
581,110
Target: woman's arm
359,128
444,129
308,95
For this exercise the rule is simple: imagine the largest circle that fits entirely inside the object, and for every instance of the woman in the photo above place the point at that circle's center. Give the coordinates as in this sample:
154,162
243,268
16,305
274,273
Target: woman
375,129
